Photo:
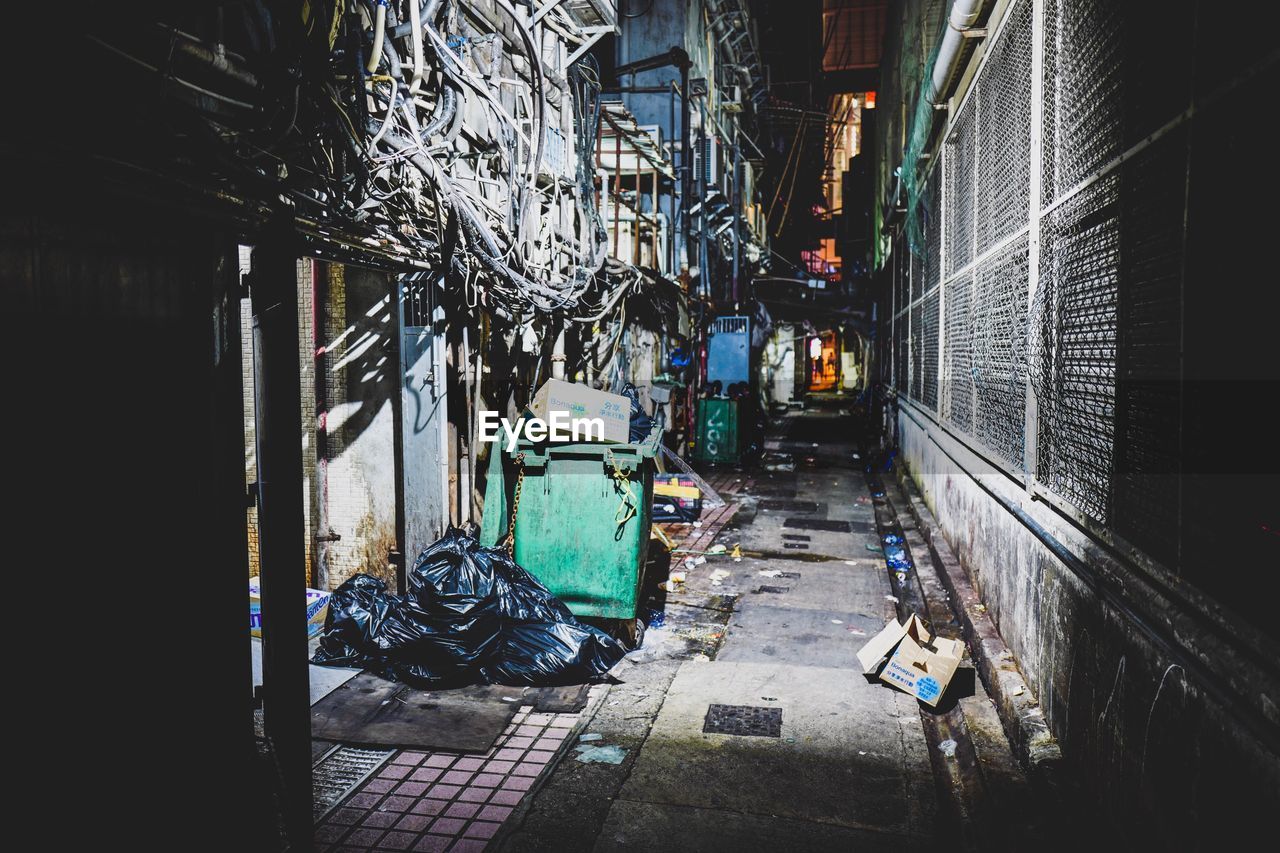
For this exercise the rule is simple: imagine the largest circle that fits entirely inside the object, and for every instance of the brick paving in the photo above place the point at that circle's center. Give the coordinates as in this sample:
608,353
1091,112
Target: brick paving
443,801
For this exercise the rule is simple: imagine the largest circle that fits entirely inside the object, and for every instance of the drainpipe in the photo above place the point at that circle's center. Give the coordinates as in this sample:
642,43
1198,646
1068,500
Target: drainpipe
286,698
961,23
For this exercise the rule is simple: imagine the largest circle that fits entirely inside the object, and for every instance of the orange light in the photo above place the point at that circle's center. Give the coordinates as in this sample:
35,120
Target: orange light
870,103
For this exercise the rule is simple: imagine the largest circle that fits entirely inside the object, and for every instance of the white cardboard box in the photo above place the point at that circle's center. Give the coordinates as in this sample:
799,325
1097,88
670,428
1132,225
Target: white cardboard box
580,401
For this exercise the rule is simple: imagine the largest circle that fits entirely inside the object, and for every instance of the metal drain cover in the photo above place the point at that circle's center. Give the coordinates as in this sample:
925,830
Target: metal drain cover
792,575
776,505
796,537
743,720
776,590
817,524
339,772
794,545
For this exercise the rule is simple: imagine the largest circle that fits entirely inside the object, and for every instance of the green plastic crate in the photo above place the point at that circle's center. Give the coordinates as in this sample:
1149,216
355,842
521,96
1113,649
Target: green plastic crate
567,530
717,431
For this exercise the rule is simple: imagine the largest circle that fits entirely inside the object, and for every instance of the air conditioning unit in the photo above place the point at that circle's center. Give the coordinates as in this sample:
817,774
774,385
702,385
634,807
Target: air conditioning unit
711,153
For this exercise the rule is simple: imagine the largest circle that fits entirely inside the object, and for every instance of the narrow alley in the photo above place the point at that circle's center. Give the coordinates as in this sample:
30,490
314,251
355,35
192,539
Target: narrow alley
679,426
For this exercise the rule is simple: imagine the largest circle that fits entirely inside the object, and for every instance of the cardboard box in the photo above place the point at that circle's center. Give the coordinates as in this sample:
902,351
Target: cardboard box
317,609
580,401
904,657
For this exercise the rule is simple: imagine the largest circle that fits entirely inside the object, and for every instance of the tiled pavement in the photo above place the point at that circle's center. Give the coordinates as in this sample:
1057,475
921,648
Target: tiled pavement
441,801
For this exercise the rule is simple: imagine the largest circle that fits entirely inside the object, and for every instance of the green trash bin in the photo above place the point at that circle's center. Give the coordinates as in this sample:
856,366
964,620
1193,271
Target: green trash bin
717,431
583,521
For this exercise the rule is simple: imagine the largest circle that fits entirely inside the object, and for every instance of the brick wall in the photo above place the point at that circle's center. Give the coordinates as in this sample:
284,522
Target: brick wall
306,366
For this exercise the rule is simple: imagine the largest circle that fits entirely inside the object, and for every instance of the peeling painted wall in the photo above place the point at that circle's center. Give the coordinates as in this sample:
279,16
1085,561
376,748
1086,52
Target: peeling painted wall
1155,754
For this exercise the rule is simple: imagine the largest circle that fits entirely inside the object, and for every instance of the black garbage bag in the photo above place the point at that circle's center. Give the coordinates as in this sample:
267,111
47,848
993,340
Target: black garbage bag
471,616
641,423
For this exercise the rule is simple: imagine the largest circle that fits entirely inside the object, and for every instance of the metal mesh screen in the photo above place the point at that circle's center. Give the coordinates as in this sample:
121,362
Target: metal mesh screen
957,363
929,350
960,165
1082,80
917,273
1140,241
901,354
932,229
1075,346
917,360
1004,132
1152,211
999,351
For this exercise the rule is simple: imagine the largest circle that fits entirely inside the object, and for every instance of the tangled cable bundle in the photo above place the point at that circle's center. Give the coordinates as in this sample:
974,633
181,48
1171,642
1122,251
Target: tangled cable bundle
492,202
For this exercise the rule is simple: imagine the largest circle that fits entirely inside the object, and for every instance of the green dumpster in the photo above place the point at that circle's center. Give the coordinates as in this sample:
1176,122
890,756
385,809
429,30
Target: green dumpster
717,431
582,525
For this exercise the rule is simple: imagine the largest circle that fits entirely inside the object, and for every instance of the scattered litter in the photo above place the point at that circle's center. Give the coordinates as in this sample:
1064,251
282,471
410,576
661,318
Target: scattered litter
791,740
697,524
701,658
510,699
871,546
875,495
855,456
862,752
719,575
837,622
770,573
857,632
948,748
600,754
892,598
737,552
902,577
717,549
851,562
892,539
769,698
815,444
592,736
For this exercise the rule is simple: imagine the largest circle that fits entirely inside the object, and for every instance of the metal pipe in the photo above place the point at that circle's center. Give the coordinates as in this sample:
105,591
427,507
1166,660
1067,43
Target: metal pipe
737,214
286,699
963,15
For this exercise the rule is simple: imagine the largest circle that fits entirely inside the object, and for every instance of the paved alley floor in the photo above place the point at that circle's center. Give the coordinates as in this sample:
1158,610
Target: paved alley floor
850,766
821,760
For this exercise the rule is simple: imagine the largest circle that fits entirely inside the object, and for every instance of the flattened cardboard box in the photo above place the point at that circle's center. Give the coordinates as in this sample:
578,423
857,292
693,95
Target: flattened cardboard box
912,666
581,401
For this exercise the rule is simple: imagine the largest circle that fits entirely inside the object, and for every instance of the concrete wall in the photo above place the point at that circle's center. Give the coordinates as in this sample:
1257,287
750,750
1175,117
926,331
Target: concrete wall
1169,756
355,427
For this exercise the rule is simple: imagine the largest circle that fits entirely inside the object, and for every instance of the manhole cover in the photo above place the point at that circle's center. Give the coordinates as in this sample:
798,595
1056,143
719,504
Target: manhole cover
817,524
796,537
743,720
792,575
800,545
776,590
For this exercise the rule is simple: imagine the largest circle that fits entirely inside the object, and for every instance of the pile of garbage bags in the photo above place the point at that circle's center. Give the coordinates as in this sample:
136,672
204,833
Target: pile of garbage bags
471,616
